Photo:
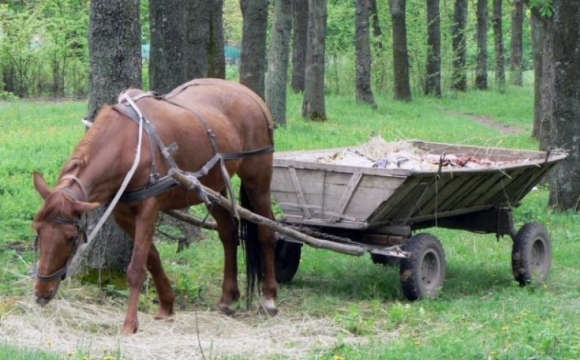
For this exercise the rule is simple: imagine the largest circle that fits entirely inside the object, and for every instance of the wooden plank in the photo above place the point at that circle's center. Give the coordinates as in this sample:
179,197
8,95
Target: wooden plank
347,195
466,189
299,193
384,212
499,187
487,184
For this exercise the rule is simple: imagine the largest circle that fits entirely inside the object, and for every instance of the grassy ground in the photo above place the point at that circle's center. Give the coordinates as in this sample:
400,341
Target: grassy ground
481,314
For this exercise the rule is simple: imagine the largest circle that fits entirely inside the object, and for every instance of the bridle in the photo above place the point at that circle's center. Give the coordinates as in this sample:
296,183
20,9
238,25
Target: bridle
81,231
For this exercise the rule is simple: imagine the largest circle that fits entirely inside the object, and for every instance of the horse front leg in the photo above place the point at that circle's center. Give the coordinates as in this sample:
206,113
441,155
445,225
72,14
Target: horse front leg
162,284
227,230
144,226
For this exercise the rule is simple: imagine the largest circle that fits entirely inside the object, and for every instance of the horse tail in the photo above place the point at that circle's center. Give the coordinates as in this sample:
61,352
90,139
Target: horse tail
248,234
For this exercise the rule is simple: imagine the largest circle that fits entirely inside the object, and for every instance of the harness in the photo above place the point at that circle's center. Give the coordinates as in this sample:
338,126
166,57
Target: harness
157,184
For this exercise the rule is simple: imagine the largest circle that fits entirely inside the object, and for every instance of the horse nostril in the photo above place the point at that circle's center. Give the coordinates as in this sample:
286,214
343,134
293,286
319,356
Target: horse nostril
43,299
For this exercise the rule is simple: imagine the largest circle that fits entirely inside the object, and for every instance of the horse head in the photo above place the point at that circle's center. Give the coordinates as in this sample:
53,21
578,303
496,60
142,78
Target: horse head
59,233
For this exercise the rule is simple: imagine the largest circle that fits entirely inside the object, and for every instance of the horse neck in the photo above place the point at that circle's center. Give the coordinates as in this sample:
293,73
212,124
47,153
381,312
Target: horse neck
105,156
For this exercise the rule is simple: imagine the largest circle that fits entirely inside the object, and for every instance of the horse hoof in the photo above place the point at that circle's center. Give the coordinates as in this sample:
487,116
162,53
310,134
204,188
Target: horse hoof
224,309
163,315
267,308
128,330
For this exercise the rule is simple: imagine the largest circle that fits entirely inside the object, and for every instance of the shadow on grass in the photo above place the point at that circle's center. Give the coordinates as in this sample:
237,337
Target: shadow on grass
355,279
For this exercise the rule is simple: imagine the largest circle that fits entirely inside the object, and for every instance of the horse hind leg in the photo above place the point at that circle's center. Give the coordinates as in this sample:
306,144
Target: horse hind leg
256,197
227,230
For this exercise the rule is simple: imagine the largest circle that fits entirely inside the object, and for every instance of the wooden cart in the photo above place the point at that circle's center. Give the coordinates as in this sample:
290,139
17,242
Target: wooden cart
379,210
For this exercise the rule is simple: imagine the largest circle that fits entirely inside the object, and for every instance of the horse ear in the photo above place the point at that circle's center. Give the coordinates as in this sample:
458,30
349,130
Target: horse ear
40,185
85,207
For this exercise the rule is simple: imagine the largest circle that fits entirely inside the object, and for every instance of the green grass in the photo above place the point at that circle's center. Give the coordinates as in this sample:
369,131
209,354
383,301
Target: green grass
481,314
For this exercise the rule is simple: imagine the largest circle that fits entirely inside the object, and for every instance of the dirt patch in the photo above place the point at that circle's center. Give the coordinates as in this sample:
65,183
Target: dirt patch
489,122
67,326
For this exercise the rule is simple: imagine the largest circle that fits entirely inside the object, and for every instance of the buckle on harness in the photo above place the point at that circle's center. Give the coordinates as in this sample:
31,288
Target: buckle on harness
169,149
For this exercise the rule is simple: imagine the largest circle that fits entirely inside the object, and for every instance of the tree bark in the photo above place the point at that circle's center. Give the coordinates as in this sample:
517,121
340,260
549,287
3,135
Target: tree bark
565,130
481,68
197,39
516,66
313,106
538,48
114,65
167,61
299,42
364,92
547,86
498,44
400,51
253,61
377,32
216,52
459,76
278,61
433,78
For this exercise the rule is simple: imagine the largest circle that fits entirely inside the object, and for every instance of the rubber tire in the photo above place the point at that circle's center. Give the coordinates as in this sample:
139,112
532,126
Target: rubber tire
286,260
423,274
385,260
531,254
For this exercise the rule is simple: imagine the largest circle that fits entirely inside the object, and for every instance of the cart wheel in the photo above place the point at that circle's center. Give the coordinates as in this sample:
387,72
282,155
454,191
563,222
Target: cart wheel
287,259
423,274
385,260
531,254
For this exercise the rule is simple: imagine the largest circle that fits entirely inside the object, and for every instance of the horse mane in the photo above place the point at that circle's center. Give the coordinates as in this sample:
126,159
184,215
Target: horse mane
82,152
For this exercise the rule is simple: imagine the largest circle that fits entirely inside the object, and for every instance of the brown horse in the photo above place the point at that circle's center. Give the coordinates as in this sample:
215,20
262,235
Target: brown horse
204,120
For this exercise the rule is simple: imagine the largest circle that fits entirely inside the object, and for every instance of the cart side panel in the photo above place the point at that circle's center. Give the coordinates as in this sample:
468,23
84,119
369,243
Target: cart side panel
324,197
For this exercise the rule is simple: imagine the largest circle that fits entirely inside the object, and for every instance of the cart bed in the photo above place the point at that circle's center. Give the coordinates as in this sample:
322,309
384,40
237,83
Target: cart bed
377,200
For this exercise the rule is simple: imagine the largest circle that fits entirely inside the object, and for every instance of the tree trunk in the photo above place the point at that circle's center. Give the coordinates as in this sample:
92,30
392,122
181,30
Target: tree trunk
459,76
278,61
114,65
516,69
253,55
197,39
377,31
364,92
167,67
216,52
565,130
481,68
299,42
547,86
400,52
538,48
433,78
313,106
498,44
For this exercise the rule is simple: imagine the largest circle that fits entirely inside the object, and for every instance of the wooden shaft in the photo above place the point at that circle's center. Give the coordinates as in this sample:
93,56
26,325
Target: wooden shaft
349,249
208,224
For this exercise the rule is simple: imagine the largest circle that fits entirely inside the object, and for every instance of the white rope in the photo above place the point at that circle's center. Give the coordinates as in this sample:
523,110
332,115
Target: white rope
129,174
86,122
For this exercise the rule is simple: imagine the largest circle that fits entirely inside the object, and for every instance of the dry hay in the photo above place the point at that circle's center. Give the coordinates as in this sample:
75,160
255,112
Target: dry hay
64,326
378,153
